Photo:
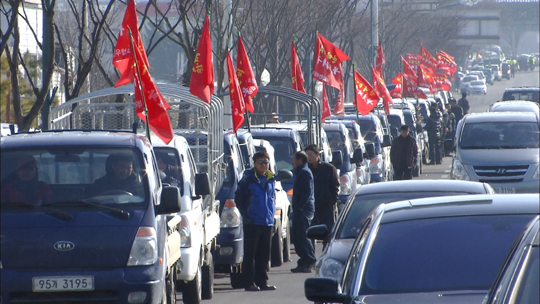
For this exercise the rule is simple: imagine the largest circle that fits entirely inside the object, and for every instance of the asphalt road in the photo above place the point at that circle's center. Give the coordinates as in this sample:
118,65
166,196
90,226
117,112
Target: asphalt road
290,286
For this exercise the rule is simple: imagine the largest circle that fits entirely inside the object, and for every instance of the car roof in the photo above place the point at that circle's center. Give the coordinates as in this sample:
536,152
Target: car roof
423,186
466,205
272,131
523,89
72,138
500,116
515,105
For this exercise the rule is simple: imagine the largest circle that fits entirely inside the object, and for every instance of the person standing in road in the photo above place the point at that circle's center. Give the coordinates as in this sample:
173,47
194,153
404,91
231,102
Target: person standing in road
434,127
303,205
403,154
456,109
255,200
450,127
326,183
464,103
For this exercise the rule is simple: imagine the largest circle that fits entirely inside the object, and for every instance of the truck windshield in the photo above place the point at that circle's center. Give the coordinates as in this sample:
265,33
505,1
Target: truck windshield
284,148
72,176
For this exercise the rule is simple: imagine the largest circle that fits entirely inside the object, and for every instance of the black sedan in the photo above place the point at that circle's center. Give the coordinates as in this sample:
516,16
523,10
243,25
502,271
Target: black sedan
431,250
363,201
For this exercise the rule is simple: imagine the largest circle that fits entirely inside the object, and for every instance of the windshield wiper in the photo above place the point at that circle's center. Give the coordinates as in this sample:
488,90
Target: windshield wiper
119,212
60,214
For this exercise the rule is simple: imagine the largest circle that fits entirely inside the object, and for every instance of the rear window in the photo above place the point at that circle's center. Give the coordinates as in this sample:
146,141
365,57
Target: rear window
440,254
522,95
477,83
469,78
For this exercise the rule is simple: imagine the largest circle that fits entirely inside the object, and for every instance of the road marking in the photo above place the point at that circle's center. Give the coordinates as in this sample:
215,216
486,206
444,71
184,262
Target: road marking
444,176
446,171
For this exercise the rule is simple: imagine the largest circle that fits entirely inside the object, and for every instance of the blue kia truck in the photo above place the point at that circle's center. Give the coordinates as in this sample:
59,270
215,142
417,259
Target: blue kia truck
85,219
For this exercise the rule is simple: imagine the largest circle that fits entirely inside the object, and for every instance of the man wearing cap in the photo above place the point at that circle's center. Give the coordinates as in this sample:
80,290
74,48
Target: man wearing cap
25,186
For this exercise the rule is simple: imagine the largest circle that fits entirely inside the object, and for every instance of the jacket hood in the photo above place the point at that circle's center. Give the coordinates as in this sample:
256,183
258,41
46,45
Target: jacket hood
251,172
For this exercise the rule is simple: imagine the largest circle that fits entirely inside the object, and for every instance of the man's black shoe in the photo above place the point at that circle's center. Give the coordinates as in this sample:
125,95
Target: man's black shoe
301,270
268,287
253,288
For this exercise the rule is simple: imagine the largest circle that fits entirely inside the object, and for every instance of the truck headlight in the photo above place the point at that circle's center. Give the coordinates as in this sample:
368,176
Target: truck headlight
144,249
376,165
230,216
345,187
458,171
185,232
331,268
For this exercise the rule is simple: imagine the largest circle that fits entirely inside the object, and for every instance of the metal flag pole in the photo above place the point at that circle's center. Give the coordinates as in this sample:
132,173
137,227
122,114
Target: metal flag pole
355,93
140,84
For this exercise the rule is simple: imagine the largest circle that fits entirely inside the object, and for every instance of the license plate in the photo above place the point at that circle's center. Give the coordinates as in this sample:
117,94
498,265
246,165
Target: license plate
71,283
504,189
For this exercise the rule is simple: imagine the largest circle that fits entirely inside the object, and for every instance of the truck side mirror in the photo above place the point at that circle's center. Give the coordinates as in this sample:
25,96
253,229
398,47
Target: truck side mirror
170,201
370,149
387,140
337,158
202,184
284,175
358,156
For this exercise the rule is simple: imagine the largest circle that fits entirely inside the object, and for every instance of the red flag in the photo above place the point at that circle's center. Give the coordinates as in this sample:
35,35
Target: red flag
382,91
410,89
366,97
325,104
202,74
425,79
297,77
427,60
246,77
441,82
446,64
123,57
408,70
396,92
327,66
414,61
235,93
158,119
339,107
379,60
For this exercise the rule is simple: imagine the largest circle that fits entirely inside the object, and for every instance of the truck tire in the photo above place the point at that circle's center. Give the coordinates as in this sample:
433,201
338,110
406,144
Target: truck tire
276,253
287,245
192,290
207,271
425,155
170,288
237,280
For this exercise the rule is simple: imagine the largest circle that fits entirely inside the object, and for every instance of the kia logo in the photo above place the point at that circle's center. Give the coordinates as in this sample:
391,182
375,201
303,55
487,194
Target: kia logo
64,246
501,171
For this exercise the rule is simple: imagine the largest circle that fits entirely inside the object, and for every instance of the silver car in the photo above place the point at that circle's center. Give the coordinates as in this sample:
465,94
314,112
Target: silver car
499,148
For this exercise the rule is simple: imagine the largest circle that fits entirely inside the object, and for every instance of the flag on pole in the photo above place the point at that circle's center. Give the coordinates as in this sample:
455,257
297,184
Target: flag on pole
382,90
325,104
410,89
246,77
414,61
366,97
202,73
427,60
297,78
425,79
327,65
235,93
379,60
396,92
123,58
408,70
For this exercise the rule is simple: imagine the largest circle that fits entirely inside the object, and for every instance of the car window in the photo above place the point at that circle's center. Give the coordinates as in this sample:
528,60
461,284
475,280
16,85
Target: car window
171,161
363,205
477,83
469,78
395,121
521,95
440,254
367,128
284,148
500,135
528,289
73,174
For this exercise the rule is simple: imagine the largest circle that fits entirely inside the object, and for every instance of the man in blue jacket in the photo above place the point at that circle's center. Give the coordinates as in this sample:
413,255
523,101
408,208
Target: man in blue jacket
255,200
303,205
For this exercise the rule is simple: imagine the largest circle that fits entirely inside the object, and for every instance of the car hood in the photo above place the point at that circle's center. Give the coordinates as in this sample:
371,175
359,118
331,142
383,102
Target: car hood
445,297
498,156
339,249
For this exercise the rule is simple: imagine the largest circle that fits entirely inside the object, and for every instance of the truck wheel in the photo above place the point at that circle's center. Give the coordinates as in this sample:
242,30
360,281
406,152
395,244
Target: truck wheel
191,293
425,155
170,288
276,253
207,271
237,280
287,245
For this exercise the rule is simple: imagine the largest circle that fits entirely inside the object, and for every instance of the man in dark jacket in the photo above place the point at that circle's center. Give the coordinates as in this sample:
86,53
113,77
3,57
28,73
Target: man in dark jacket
120,175
403,154
303,205
326,183
255,200
434,127
464,103
456,109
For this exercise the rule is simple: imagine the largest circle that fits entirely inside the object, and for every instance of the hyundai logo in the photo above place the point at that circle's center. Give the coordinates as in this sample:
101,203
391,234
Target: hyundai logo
64,246
501,171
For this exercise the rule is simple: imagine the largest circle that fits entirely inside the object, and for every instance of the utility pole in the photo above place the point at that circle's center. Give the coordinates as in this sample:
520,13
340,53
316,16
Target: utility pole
45,110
